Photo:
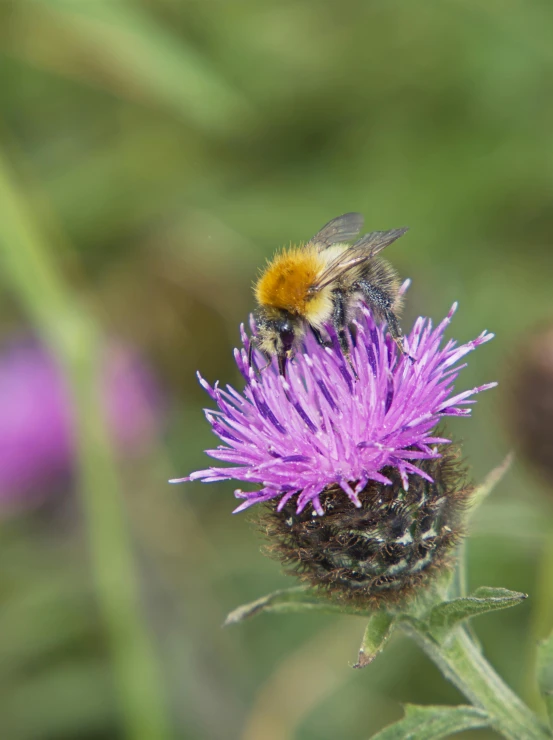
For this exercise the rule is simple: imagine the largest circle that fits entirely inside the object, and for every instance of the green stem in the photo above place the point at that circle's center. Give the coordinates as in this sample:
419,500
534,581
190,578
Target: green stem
462,663
541,623
29,266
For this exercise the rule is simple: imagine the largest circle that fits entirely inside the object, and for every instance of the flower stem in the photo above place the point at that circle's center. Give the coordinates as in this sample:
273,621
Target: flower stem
462,663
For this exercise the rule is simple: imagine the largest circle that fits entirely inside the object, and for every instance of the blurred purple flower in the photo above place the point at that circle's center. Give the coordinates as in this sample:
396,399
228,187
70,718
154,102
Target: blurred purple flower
37,443
320,427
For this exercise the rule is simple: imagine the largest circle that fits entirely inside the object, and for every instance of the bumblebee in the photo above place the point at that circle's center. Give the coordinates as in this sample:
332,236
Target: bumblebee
324,281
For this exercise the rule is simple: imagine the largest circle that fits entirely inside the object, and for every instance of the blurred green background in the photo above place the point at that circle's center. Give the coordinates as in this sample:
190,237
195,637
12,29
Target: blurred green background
153,154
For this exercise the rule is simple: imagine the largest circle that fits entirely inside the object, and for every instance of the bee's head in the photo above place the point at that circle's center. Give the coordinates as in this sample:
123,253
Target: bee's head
278,334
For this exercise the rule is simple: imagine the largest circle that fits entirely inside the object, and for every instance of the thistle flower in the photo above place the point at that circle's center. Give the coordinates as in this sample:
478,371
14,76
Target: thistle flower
322,428
37,445
358,449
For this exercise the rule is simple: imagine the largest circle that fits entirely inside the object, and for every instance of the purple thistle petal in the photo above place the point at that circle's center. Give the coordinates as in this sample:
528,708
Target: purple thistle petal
379,478
320,427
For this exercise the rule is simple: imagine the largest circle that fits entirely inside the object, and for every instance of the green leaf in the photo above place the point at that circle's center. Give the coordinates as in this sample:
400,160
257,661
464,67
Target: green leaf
376,635
433,723
288,600
444,617
545,674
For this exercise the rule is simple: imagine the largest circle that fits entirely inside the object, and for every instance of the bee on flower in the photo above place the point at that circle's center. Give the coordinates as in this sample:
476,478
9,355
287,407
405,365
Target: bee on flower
324,282
361,494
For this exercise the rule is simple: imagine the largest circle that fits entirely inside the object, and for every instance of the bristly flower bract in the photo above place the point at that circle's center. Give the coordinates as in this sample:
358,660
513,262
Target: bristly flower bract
384,550
321,428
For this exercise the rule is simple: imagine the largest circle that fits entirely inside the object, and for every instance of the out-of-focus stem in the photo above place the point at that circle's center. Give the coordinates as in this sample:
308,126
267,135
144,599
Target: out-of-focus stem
541,624
28,265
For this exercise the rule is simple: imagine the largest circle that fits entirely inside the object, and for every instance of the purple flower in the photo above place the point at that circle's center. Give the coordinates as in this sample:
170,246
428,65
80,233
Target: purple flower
320,427
37,442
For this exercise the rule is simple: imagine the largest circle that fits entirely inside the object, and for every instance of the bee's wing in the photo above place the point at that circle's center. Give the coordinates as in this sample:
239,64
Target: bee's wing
339,230
376,241
364,249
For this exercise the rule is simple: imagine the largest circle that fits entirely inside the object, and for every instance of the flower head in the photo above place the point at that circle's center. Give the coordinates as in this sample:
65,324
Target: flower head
321,427
37,439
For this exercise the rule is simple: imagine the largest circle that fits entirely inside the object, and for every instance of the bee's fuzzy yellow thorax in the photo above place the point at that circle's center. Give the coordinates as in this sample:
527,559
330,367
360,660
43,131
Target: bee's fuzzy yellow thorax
286,281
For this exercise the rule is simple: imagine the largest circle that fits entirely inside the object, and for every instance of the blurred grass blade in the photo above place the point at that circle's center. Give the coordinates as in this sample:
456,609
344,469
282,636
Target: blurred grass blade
377,632
27,264
444,617
545,674
118,45
433,723
287,601
482,491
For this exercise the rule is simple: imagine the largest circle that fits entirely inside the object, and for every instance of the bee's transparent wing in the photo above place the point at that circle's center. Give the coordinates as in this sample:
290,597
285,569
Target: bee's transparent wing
364,249
339,230
376,241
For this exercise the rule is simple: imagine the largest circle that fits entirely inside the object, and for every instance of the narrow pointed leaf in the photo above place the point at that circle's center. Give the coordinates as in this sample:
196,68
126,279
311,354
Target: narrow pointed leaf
433,723
446,616
545,674
289,600
377,632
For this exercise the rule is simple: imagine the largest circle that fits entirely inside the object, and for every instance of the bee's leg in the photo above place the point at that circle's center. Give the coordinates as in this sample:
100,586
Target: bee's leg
319,337
381,303
339,319
251,362
353,334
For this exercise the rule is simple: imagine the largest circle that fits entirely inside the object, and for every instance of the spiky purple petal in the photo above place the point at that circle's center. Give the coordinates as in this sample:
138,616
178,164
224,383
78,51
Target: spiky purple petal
321,427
